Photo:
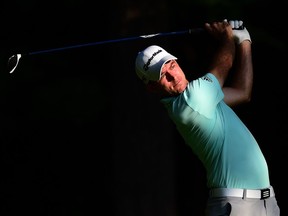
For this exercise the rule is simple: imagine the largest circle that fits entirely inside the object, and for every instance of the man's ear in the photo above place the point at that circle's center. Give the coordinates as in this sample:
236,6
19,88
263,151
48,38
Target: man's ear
152,87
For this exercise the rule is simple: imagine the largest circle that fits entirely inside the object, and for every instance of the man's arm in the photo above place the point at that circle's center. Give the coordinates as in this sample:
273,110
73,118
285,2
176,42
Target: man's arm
223,57
240,85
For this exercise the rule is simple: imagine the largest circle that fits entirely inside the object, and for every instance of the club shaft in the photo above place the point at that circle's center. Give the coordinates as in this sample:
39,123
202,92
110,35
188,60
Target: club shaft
14,59
189,31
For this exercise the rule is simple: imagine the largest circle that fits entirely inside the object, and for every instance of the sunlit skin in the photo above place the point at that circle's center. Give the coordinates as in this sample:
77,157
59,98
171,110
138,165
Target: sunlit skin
173,80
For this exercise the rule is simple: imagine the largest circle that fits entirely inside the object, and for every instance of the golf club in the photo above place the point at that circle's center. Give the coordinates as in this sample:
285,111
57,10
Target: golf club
13,61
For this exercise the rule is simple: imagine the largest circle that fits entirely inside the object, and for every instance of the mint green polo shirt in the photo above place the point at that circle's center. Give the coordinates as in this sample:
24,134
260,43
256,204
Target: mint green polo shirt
226,147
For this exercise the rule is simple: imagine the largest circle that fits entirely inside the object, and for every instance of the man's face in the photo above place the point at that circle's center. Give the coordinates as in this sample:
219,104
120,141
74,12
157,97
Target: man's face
173,80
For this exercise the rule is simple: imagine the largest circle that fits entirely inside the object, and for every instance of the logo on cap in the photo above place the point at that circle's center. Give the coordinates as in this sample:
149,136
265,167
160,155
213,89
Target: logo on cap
146,66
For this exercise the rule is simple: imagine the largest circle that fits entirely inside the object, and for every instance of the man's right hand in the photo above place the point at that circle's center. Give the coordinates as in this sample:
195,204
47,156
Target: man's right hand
240,32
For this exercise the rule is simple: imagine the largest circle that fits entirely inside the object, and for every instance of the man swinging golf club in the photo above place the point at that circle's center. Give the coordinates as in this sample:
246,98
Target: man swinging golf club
237,172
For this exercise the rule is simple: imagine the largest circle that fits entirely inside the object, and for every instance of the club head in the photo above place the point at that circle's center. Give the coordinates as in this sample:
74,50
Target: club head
13,62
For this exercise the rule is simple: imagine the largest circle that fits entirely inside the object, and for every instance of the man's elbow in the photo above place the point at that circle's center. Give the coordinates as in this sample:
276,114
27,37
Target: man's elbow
247,97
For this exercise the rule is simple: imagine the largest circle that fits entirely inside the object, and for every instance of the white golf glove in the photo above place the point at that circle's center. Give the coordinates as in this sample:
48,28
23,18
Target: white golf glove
239,31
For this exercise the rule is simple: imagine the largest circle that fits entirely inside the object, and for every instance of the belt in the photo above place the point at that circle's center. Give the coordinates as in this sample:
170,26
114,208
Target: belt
243,193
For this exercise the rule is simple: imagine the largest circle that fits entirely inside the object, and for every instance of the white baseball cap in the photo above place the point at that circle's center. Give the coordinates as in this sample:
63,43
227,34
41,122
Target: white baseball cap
149,63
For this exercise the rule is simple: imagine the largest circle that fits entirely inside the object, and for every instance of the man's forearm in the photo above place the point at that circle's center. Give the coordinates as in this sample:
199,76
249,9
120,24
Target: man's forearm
243,75
238,90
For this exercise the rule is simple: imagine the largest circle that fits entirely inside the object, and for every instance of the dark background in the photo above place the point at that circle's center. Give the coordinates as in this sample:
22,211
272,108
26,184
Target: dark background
79,134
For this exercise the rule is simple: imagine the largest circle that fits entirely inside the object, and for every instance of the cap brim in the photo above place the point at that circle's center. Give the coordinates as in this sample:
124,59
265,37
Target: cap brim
163,61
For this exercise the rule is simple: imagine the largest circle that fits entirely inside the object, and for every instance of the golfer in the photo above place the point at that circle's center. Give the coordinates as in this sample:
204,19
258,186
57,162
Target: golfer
202,110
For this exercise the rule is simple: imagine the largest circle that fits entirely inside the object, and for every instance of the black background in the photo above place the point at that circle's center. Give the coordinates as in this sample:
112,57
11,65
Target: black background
79,134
